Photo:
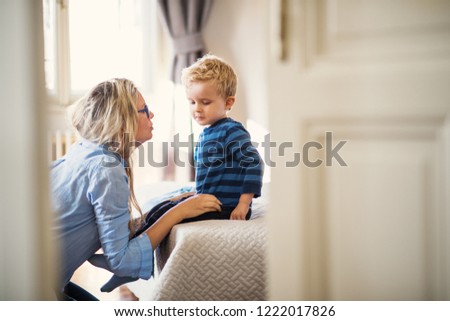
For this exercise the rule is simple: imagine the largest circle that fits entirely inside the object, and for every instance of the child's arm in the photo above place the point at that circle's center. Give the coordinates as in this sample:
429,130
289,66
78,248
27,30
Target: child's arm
242,208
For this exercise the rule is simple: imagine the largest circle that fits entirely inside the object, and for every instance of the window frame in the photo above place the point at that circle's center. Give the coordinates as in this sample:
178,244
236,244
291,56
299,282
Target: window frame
62,95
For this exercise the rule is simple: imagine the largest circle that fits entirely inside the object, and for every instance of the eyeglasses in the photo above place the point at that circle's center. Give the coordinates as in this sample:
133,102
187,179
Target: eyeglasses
145,110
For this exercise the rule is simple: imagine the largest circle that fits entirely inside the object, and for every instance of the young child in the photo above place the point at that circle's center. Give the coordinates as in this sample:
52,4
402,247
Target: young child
227,165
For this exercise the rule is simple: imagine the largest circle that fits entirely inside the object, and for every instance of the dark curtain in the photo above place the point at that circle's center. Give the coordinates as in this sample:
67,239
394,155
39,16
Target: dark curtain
184,21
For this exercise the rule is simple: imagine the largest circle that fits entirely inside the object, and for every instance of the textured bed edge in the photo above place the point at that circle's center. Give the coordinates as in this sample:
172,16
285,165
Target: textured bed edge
213,260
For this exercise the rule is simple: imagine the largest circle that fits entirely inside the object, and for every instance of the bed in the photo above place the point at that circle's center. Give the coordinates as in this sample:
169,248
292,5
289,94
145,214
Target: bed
207,260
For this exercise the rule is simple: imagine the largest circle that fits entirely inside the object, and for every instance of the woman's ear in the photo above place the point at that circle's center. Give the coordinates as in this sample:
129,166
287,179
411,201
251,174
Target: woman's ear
229,102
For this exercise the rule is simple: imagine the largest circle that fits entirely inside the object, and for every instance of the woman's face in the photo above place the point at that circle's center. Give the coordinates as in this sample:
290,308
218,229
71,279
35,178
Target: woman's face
145,125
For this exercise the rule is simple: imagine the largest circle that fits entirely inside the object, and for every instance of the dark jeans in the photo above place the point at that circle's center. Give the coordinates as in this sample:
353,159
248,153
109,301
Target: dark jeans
158,210
73,292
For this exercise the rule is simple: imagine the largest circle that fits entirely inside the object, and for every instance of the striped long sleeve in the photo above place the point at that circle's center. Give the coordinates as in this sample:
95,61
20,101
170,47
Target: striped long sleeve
227,164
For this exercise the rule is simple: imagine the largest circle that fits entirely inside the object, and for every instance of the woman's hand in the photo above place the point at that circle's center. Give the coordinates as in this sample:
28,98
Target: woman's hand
199,204
190,207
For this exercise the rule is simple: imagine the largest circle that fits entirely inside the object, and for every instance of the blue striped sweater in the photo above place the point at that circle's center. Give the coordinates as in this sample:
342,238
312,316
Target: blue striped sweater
227,164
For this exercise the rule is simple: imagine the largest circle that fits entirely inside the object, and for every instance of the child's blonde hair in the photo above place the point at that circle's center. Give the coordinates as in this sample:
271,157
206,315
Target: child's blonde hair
212,69
108,114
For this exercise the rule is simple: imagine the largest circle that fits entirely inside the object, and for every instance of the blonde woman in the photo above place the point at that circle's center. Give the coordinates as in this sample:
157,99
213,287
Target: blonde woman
92,189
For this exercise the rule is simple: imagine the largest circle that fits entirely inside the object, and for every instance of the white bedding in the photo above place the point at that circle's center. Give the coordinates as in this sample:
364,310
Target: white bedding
207,260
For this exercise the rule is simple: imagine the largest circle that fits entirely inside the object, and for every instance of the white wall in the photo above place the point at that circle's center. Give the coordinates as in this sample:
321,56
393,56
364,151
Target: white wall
237,31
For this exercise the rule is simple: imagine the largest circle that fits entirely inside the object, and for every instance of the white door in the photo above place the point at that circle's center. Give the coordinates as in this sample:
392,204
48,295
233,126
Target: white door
364,97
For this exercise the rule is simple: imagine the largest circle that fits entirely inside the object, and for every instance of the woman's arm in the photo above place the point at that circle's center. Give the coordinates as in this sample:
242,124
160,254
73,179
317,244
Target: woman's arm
191,207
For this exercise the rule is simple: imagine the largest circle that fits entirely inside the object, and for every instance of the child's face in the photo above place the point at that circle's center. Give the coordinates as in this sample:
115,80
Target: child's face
207,106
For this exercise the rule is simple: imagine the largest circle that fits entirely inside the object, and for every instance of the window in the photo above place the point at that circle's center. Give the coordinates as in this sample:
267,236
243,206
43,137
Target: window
49,44
88,41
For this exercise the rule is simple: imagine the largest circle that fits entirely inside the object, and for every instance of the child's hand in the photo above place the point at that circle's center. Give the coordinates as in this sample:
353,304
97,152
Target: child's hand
242,208
239,212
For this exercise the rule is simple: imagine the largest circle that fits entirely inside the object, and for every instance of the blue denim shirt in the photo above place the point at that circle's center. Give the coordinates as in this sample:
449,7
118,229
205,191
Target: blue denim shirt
89,189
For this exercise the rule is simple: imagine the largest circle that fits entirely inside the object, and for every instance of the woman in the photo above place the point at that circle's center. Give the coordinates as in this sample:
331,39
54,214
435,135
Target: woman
92,189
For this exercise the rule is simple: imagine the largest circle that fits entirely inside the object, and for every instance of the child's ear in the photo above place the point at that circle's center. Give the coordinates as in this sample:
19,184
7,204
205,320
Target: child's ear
229,102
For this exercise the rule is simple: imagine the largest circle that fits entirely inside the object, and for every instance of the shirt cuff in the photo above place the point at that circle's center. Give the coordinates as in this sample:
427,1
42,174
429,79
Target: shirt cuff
249,188
147,258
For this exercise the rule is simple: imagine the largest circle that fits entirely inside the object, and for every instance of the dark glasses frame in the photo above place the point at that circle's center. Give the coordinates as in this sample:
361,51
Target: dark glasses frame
145,110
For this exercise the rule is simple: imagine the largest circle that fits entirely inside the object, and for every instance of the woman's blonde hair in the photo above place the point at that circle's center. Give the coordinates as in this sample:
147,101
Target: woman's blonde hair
107,115
212,69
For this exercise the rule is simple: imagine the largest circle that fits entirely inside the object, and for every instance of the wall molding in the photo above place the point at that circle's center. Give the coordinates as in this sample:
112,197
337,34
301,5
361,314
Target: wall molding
431,131
415,37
